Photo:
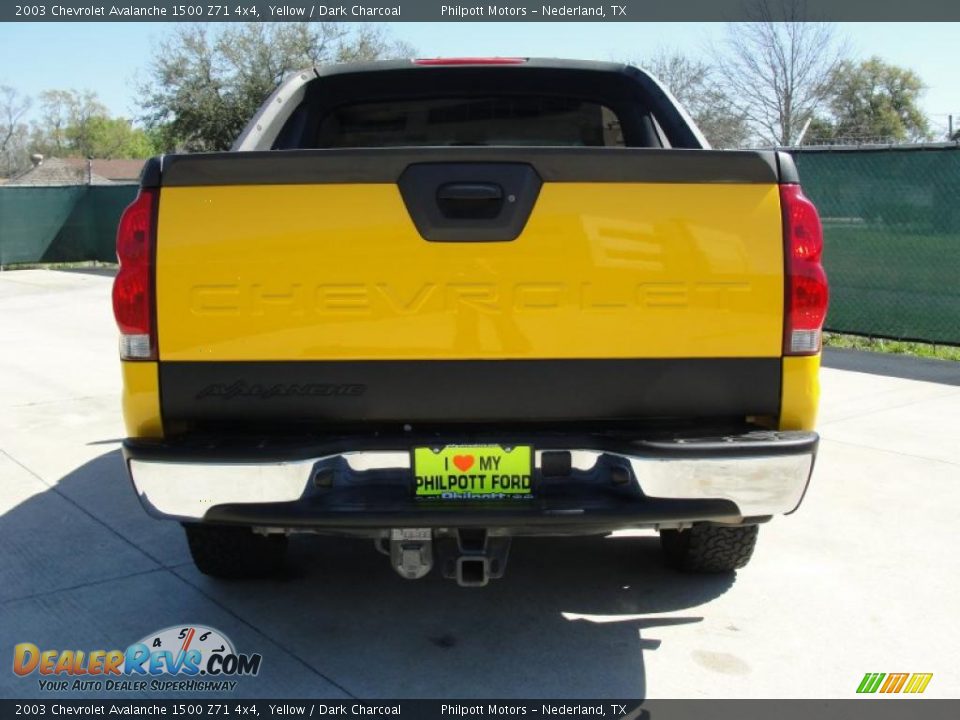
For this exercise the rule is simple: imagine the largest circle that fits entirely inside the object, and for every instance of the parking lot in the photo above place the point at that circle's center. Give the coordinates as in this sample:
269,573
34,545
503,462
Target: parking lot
864,578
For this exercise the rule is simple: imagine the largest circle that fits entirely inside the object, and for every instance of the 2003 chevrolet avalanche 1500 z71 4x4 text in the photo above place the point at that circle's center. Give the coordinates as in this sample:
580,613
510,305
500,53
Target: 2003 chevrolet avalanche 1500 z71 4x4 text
444,303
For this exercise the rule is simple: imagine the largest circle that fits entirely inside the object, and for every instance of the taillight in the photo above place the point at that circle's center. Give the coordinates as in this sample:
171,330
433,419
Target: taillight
805,282
471,61
133,291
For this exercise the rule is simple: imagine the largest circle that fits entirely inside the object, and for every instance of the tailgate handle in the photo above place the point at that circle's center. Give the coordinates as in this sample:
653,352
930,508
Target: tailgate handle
470,200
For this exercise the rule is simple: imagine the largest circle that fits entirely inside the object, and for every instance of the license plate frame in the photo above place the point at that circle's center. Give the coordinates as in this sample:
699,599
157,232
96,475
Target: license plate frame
479,471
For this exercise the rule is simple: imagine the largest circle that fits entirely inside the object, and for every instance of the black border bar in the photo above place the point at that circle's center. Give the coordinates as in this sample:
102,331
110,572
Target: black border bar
875,708
390,11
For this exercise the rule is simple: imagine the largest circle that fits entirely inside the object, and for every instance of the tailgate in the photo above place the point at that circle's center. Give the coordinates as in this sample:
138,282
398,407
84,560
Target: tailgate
470,284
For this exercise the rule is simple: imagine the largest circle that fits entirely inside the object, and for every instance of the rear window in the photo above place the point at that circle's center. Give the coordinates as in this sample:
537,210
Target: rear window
504,120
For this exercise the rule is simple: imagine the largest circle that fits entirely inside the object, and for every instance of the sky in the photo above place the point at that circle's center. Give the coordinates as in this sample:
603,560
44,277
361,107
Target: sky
108,58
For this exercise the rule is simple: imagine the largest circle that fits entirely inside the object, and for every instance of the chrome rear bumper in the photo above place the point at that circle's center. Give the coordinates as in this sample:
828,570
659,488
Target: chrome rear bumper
748,476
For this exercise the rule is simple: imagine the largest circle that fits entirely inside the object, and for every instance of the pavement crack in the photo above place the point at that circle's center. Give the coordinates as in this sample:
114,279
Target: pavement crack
60,401
892,452
80,586
239,618
854,416
113,531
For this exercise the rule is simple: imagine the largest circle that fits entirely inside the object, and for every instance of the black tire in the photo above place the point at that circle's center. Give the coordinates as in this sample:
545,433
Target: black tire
709,548
235,552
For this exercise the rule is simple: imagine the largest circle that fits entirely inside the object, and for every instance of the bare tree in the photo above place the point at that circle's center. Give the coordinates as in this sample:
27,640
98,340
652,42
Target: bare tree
695,84
13,131
778,68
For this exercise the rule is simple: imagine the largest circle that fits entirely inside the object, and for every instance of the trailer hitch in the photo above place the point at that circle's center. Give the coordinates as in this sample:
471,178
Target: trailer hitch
472,557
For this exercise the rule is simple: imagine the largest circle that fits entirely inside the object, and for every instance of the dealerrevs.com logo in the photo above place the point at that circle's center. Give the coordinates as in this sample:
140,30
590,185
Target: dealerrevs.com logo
178,658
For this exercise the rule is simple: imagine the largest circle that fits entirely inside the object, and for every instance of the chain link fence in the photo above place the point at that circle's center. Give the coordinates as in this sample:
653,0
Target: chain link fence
891,219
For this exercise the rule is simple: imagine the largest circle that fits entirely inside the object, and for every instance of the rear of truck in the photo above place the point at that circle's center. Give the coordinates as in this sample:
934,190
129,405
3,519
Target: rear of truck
441,304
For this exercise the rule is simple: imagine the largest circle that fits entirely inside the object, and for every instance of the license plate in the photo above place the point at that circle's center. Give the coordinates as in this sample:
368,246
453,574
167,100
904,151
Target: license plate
473,472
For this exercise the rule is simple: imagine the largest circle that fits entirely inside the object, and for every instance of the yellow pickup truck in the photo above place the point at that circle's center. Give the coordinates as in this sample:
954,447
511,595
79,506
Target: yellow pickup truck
444,303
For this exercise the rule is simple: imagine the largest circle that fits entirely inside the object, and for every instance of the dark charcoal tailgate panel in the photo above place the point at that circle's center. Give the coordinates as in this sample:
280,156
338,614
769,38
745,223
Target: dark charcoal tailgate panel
385,165
469,390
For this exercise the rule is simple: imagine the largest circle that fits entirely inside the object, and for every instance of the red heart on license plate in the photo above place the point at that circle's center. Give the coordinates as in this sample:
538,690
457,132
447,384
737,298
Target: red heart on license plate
464,462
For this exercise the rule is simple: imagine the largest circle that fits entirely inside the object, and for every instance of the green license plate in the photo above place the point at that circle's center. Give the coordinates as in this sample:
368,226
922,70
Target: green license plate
473,472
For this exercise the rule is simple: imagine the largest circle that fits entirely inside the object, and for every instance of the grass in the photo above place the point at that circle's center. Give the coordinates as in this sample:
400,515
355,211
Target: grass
896,347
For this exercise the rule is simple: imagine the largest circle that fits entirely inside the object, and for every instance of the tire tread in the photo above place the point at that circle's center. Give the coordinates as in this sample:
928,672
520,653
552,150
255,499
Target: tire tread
709,548
235,552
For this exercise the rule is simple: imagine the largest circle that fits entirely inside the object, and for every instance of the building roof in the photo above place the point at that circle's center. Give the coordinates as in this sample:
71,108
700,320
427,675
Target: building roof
116,170
56,171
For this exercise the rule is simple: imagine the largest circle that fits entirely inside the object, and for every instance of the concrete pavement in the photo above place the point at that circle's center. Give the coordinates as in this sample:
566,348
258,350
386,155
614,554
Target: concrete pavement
864,578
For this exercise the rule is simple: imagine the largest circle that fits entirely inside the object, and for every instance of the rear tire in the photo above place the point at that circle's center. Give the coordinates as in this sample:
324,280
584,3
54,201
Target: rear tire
235,552
709,548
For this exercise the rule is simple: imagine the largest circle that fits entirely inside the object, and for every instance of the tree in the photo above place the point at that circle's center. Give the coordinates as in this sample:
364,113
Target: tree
64,124
694,84
76,124
13,131
114,137
65,116
820,132
872,101
777,68
203,86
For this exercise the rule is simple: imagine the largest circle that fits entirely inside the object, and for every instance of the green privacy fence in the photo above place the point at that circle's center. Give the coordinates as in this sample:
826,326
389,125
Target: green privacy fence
61,224
891,222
